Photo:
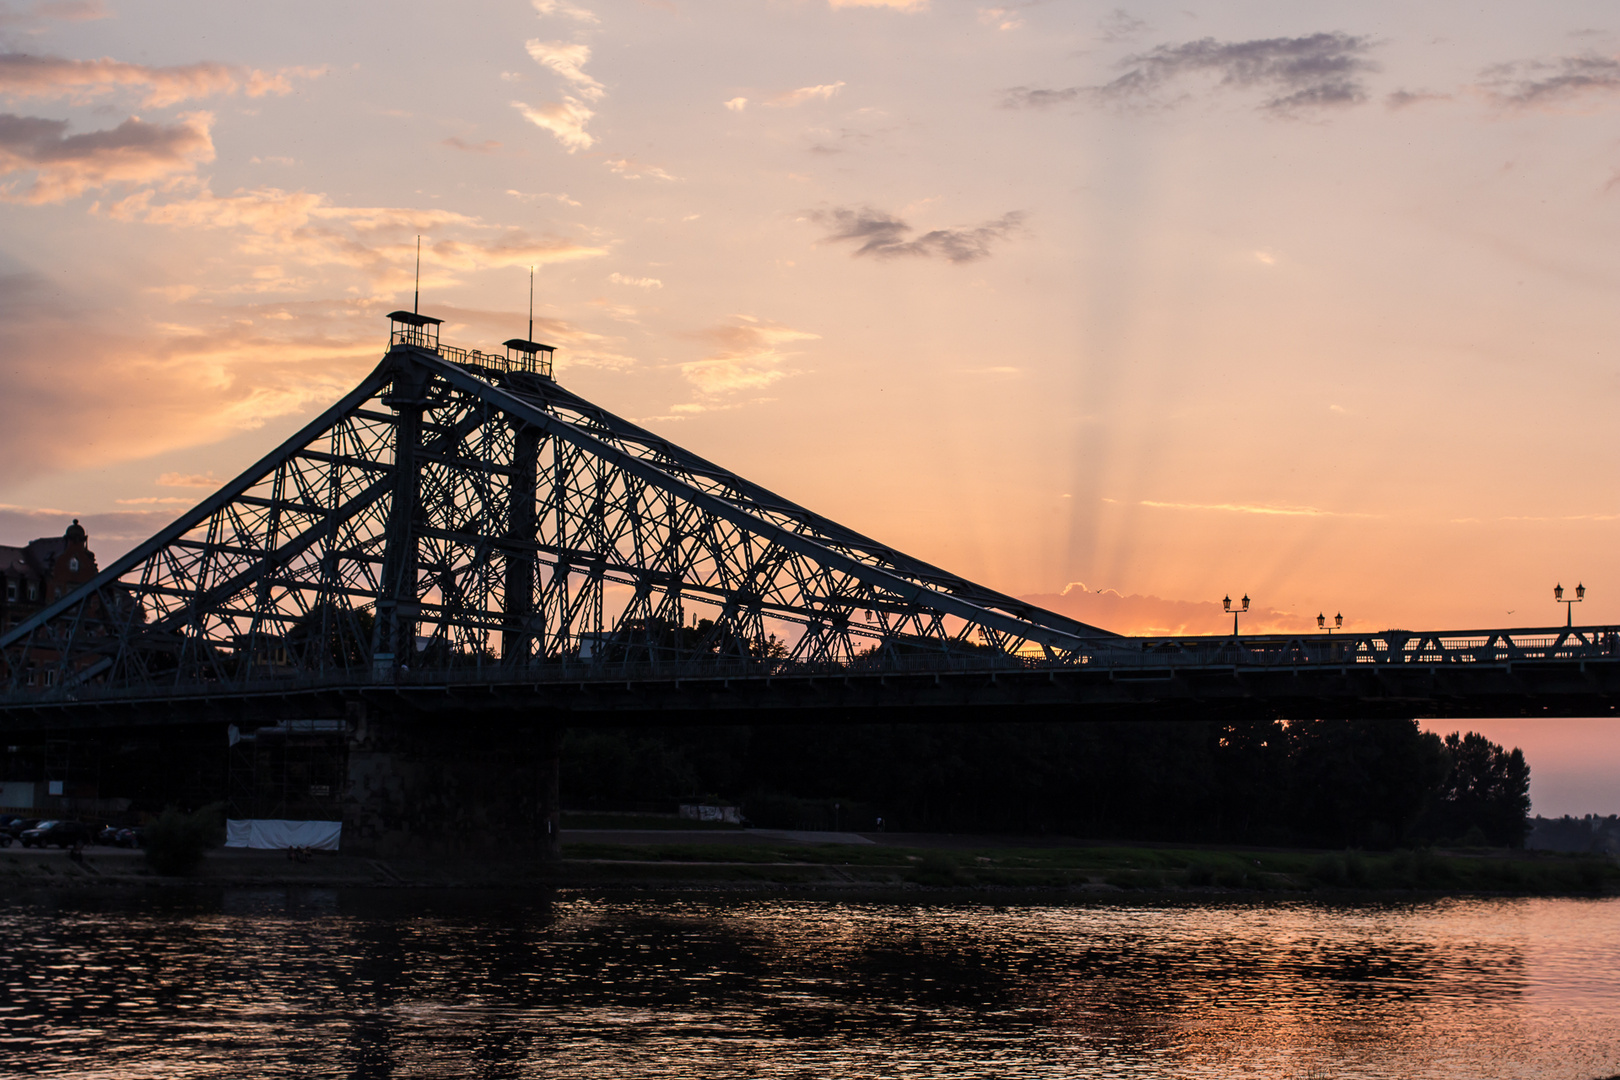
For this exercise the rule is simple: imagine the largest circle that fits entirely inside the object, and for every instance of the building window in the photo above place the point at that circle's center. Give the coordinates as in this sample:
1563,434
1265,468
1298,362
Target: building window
73,565
33,590
50,676
11,589
33,676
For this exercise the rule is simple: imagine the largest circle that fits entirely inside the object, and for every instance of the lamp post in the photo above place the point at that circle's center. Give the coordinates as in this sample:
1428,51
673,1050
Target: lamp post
1226,603
1569,605
1338,623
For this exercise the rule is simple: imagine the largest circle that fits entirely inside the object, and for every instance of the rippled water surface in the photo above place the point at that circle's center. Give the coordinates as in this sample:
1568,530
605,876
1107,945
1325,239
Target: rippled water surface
375,984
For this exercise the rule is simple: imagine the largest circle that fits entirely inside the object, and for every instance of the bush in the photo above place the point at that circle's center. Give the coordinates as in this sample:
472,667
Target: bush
938,869
175,842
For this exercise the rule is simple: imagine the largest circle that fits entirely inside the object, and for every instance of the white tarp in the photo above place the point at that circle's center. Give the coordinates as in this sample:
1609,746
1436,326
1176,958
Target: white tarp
275,835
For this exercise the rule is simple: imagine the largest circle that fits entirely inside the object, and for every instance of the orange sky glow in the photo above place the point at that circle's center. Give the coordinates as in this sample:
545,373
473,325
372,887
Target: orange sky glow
1119,308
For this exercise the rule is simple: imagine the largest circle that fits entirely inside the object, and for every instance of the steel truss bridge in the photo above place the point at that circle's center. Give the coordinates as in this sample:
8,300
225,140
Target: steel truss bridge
460,535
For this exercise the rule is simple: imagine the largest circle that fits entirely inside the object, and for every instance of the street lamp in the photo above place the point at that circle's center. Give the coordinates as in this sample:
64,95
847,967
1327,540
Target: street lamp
1569,605
1226,603
1338,623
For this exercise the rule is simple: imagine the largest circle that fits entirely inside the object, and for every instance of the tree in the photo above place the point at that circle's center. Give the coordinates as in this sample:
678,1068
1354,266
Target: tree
1485,787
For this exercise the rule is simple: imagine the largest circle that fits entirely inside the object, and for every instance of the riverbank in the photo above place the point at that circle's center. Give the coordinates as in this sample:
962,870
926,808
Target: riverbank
843,862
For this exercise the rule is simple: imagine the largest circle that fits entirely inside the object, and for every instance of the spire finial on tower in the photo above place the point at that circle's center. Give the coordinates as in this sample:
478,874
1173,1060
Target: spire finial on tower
416,303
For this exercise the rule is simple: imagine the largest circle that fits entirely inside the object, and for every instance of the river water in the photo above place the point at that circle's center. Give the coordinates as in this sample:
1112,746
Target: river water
362,983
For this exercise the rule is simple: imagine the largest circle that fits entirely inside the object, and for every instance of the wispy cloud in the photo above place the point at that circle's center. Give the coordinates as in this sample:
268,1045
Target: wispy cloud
23,75
488,146
568,59
789,98
565,119
737,104
1120,25
1403,98
896,5
1253,508
749,354
631,169
189,480
1300,74
564,9
885,236
378,241
638,282
55,11
560,196
65,166
1550,84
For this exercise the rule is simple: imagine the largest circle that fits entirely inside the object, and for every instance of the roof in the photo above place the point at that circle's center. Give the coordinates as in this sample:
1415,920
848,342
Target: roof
35,557
527,346
413,319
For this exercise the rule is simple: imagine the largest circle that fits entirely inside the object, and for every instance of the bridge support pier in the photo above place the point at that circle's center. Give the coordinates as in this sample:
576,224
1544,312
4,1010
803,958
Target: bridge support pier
423,787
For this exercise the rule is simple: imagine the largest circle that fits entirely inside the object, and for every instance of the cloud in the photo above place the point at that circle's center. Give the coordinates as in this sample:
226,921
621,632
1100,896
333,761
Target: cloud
631,169
56,11
1253,508
567,59
1547,84
896,5
1002,18
737,104
748,356
488,146
65,166
561,197
190,480
378,241
639,282
1120,25
567,10
140,389
884,236
789,98
23,75
1401,99
1153,616
1303,73
565,119
111,534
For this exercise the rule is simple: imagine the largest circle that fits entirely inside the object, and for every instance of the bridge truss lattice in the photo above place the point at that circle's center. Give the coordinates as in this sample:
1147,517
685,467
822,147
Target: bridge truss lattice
468,519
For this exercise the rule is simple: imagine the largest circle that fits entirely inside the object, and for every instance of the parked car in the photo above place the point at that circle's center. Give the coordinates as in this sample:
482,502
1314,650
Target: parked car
15,827
130,838
63,834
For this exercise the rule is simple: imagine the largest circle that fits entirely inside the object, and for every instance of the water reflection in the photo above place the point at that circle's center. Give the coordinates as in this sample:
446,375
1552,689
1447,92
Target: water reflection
406,983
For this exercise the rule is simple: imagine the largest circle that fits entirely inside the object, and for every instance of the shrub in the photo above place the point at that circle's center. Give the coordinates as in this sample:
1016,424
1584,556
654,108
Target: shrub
175,842
937,869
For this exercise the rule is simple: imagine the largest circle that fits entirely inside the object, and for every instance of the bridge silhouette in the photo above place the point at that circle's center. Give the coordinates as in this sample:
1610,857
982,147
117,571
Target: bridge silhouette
460,535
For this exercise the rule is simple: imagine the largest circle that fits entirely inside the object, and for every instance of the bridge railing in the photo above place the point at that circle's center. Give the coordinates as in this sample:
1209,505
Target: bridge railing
1161,657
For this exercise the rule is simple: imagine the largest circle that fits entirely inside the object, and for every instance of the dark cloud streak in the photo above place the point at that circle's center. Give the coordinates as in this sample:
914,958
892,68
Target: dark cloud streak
884,236
66,165
1308,73
1532,84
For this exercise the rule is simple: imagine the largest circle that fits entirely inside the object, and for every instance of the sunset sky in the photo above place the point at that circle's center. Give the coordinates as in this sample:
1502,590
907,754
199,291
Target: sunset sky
1119,308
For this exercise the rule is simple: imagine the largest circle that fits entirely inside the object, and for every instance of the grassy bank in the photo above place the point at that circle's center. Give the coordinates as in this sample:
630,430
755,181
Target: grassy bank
754,862
1100,868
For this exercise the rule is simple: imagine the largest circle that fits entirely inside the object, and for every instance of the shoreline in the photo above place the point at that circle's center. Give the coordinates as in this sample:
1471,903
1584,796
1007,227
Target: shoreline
844,865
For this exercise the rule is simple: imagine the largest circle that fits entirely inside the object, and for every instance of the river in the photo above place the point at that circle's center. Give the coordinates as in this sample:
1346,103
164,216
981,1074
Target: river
404,983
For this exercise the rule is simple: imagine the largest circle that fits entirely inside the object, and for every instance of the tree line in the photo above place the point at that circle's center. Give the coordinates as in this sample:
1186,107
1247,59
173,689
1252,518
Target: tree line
1323,783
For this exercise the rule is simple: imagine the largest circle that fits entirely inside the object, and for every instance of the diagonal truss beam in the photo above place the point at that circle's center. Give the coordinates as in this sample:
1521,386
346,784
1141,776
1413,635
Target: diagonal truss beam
446,515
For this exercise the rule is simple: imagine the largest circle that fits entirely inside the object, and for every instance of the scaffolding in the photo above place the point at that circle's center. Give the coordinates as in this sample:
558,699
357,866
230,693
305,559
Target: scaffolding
292,771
